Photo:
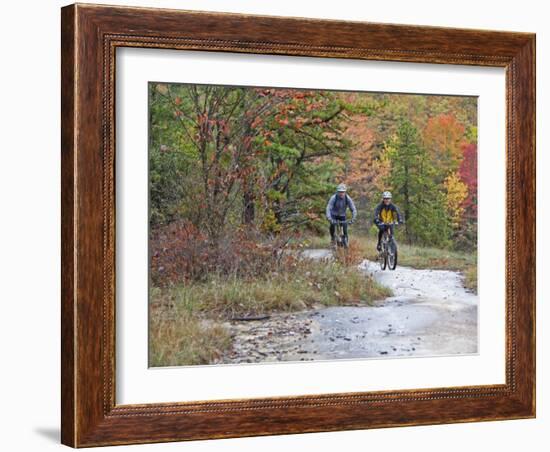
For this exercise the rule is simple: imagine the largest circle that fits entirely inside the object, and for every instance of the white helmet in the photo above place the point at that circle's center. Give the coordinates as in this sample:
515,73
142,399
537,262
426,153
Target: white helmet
342,187
386,195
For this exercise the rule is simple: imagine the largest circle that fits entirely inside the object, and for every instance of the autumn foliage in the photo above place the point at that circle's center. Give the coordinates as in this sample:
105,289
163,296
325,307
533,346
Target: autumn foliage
468,175
235,170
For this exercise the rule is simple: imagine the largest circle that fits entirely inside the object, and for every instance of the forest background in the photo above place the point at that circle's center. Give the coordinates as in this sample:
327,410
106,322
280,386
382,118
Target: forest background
239,177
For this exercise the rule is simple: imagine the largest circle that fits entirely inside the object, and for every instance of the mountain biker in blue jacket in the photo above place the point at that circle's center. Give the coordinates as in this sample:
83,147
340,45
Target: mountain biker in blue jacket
336,210
385,214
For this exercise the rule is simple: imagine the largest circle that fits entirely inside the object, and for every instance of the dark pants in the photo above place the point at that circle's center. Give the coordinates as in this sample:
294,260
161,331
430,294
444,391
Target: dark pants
332,228
382,228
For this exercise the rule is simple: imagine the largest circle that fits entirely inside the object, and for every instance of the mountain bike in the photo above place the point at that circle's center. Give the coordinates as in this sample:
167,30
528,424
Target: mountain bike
342,240
388,252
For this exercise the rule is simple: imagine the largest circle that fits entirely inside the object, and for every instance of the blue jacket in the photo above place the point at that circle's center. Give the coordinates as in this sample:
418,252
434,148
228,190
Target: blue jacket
337,207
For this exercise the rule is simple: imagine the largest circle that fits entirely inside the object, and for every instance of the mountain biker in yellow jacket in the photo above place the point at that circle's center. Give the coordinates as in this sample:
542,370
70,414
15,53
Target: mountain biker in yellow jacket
336,210
385,214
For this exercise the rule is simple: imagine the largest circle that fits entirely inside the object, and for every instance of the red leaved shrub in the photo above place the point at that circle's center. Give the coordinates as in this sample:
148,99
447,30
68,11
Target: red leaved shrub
181,252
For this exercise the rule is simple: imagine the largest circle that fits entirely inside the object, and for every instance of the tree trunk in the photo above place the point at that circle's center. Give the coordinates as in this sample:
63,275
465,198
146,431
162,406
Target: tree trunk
407,206
249,211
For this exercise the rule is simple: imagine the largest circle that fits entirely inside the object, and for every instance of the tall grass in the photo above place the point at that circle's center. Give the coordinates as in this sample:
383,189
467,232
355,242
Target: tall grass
304,285
183,338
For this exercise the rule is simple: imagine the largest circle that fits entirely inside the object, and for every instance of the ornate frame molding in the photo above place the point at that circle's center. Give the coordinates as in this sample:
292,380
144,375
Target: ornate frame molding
90,36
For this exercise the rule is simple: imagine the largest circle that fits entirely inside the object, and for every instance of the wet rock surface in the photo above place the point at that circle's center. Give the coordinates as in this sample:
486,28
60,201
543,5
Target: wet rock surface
430,314
283,337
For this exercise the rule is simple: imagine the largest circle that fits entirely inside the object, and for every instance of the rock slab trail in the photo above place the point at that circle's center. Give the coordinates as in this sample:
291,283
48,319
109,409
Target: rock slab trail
430,314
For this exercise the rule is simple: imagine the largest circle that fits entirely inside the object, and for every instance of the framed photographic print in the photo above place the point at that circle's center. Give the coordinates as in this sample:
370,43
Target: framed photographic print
281,225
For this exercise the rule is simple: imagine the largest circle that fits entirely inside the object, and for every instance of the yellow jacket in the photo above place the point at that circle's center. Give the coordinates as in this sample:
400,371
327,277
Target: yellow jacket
387,214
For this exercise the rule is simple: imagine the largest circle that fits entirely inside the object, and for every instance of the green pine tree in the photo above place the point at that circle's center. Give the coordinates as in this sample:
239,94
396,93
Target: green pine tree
411,178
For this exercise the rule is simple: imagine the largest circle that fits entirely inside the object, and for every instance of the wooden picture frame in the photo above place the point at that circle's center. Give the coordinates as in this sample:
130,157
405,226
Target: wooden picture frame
90,35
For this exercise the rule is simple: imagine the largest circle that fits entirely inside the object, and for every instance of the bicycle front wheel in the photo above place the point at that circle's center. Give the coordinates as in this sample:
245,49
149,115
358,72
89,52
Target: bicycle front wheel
383,259
392,256
344,241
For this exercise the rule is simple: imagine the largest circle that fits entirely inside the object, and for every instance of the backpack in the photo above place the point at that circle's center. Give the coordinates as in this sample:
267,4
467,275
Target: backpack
346,198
